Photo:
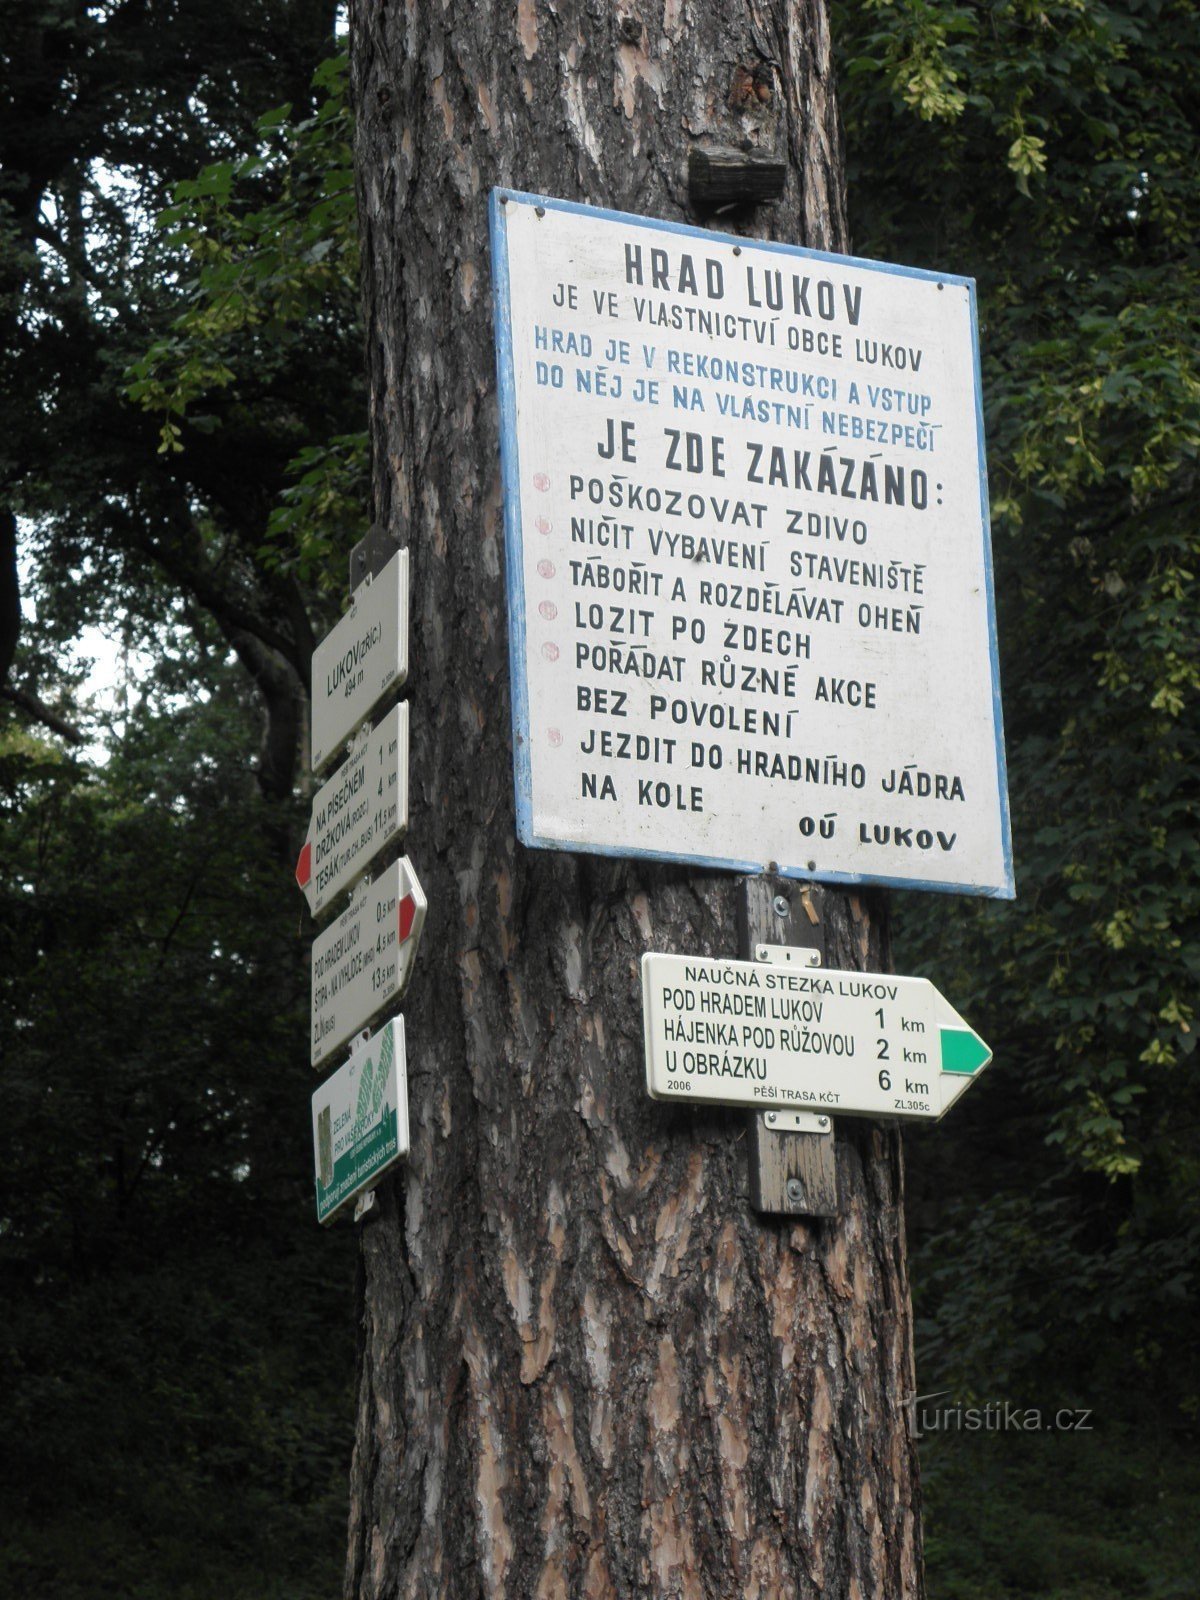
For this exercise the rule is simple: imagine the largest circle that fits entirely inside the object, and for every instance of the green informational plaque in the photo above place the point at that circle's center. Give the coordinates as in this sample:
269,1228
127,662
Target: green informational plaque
360,1120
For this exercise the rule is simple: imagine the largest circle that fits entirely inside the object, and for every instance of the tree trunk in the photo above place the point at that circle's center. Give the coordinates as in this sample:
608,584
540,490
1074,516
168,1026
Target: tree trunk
587,1368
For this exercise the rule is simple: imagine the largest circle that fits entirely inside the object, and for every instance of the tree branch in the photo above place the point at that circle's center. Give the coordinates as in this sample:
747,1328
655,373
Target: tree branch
42,713
71,258
10,592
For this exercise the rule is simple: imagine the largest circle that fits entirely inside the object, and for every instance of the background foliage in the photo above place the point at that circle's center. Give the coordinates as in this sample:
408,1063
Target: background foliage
181,445
1050,150
1057,151
178,1344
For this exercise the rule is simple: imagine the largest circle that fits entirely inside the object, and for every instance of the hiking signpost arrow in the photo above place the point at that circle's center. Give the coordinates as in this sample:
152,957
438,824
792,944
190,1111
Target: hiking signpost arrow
364,960
774,1036
360,1119
362,808
361,660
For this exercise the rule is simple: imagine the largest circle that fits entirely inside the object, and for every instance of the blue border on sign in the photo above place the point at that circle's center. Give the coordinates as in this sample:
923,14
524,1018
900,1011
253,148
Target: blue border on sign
985,523
510,469
514,549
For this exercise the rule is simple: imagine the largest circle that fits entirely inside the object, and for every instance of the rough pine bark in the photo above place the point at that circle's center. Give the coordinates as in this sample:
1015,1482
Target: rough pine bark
587,1368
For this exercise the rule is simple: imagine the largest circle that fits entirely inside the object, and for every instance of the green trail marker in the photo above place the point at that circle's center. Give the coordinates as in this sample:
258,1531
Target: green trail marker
360,1120
781,1037
963,1051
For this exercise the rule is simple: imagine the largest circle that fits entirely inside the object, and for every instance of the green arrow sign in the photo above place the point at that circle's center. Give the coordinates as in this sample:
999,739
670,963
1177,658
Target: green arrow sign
774,1035
963,1051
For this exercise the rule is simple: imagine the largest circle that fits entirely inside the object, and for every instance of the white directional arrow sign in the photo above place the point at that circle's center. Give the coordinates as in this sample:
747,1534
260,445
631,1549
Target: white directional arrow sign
780,1037
361,660
363,961
362,808
360,1120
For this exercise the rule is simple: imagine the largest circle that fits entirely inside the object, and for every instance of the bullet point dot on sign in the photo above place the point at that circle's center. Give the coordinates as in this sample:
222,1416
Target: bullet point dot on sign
548,610
555,737
550,651
544,524
541,481
546,569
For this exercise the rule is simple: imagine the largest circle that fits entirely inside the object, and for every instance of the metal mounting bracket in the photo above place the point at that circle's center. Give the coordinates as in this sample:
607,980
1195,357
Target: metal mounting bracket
370,555
797,1122
793,1162
788,955
793,1121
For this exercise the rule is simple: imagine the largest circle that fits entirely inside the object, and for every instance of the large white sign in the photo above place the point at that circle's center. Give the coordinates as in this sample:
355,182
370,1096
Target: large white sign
745,1033
362,808
360,1120
364,960
750,594
364,658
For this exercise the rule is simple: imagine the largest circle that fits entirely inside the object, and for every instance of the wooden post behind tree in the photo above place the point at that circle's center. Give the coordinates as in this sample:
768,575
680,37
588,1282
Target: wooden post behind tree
587,1367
